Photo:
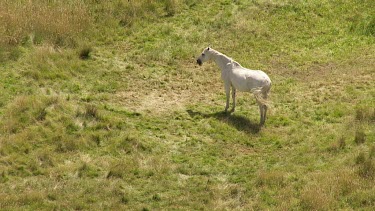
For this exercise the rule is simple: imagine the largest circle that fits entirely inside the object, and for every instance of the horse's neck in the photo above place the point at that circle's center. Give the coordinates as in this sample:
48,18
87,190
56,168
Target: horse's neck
221,60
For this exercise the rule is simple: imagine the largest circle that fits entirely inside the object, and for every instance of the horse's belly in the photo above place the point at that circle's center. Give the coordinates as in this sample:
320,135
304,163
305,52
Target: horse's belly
241,88
240,83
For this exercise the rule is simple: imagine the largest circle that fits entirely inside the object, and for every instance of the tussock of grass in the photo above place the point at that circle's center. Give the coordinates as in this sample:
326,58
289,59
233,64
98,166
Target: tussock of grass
91,111
171,7
314,198
367,169
128,13
25,110
363,24
360,137
121,169
339,145
366,164
365,113
324,190
372,152
85,52
87,170
360,159
274,178
3,177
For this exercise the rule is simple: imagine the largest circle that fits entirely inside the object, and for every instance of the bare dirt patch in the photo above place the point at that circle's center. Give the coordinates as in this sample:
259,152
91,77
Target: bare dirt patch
158,102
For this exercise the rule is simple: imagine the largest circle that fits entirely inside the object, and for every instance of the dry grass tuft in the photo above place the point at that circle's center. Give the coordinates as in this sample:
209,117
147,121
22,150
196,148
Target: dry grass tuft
325,188
364,113
340,144
372,152
366,164
91,111
271,179
315,198
24,110
120,169
360,137
87,170
367,169
361,158
171,7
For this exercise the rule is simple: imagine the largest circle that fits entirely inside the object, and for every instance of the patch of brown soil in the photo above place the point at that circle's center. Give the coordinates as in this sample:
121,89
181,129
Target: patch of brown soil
158,101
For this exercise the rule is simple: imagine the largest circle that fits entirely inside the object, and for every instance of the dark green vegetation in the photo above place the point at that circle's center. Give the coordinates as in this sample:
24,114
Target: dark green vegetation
103,107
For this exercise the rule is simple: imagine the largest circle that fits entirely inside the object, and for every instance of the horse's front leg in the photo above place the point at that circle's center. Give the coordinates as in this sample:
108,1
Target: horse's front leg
227,93
234,98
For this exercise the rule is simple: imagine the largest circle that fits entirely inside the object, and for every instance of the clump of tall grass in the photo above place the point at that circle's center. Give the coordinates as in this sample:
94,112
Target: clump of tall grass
271,178
63,23
91,111
171,7
3,177
57,22
360,137
363,25
340,144
367,169
87,170
372,152
366,164
315,198
324,188
130,12
23,111
85,52
364,114
10,53
120,169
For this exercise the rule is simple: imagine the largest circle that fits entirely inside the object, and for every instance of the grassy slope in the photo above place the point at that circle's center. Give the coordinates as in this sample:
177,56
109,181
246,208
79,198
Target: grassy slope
138,125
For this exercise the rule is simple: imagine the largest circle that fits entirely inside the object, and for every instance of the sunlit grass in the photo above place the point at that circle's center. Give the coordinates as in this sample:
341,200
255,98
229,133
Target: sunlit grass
103,107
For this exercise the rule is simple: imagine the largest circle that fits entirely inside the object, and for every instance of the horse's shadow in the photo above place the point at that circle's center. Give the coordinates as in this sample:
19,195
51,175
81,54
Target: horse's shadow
239,122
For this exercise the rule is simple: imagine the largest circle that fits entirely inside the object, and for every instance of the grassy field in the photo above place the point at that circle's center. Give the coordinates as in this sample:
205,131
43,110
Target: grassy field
103,107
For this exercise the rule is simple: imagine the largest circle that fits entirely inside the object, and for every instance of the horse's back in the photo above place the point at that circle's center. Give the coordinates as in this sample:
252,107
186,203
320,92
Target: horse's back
245,79
255,75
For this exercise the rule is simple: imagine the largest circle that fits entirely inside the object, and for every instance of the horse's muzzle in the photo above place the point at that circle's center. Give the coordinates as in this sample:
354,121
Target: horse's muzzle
199,62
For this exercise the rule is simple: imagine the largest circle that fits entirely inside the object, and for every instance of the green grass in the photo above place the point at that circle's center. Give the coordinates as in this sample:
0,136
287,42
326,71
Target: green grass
103,107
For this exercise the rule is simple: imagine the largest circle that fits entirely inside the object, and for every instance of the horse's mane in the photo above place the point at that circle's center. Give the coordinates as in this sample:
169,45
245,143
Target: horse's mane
236,64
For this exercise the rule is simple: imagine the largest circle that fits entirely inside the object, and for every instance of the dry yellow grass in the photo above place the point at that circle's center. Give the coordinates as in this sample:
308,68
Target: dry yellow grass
37,21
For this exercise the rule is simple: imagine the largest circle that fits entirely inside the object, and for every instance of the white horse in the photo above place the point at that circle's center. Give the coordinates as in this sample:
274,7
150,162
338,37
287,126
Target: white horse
241,79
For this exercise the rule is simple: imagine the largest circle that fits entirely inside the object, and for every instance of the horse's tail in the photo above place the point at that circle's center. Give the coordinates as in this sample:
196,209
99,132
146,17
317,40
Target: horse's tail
261,95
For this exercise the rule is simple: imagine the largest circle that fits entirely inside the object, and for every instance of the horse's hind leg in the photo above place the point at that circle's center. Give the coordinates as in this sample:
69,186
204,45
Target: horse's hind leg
264,113
261,111
265,106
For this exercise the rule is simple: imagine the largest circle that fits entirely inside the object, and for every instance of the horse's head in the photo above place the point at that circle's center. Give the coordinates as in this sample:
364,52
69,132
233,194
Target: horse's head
205,56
